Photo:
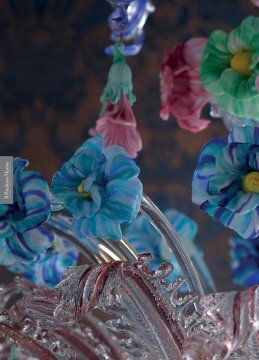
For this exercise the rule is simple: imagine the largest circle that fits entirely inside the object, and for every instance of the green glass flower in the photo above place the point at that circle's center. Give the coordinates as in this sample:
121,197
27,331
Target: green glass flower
230,66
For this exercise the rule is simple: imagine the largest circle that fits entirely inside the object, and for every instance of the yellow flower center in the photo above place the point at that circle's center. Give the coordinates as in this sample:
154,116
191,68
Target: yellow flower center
241,62
82,191
251,182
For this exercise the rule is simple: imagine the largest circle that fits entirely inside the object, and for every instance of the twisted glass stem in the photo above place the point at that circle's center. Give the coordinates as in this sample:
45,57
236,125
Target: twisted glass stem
174,243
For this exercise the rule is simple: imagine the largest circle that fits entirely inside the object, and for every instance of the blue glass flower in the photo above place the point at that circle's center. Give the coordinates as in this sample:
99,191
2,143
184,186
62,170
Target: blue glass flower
127,22
226,180
21,222
101,189
143,237
49,270
245,260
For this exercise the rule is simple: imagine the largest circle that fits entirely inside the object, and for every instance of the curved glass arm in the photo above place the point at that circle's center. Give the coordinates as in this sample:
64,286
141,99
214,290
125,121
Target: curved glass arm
174,243
95,250
103,250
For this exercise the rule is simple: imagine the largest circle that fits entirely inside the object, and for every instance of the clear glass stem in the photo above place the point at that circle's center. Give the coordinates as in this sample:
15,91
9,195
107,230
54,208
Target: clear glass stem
104,250
95,250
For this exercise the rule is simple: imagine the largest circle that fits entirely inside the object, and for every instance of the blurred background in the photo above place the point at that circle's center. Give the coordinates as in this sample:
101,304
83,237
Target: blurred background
52,73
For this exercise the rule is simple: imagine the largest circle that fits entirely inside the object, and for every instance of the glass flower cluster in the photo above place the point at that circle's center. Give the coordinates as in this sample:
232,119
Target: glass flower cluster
224,69
98,187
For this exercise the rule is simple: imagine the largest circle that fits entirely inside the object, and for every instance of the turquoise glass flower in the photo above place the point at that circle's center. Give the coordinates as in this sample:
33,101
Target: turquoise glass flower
100,187
226,180
21,222
49,270
143,237
230,66
245,261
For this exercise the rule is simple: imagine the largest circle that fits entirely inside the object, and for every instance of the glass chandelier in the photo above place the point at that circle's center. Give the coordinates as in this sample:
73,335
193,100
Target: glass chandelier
102,272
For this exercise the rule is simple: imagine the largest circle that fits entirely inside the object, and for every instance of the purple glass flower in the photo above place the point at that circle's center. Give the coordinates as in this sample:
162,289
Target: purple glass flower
226,181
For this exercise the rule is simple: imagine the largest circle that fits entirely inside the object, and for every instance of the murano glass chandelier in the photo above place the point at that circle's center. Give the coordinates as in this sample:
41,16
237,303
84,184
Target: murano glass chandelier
102,273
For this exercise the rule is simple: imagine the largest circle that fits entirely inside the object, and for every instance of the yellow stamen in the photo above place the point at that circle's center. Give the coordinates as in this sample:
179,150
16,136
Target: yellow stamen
241,62
251,182
82,191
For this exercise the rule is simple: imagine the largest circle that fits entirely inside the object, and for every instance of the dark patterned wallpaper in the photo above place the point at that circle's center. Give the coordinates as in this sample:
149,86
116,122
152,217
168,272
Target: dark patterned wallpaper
52,72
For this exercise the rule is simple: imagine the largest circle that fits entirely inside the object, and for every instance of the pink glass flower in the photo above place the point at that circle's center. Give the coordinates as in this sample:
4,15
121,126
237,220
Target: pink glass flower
118,127
255,2
182,93
257,83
